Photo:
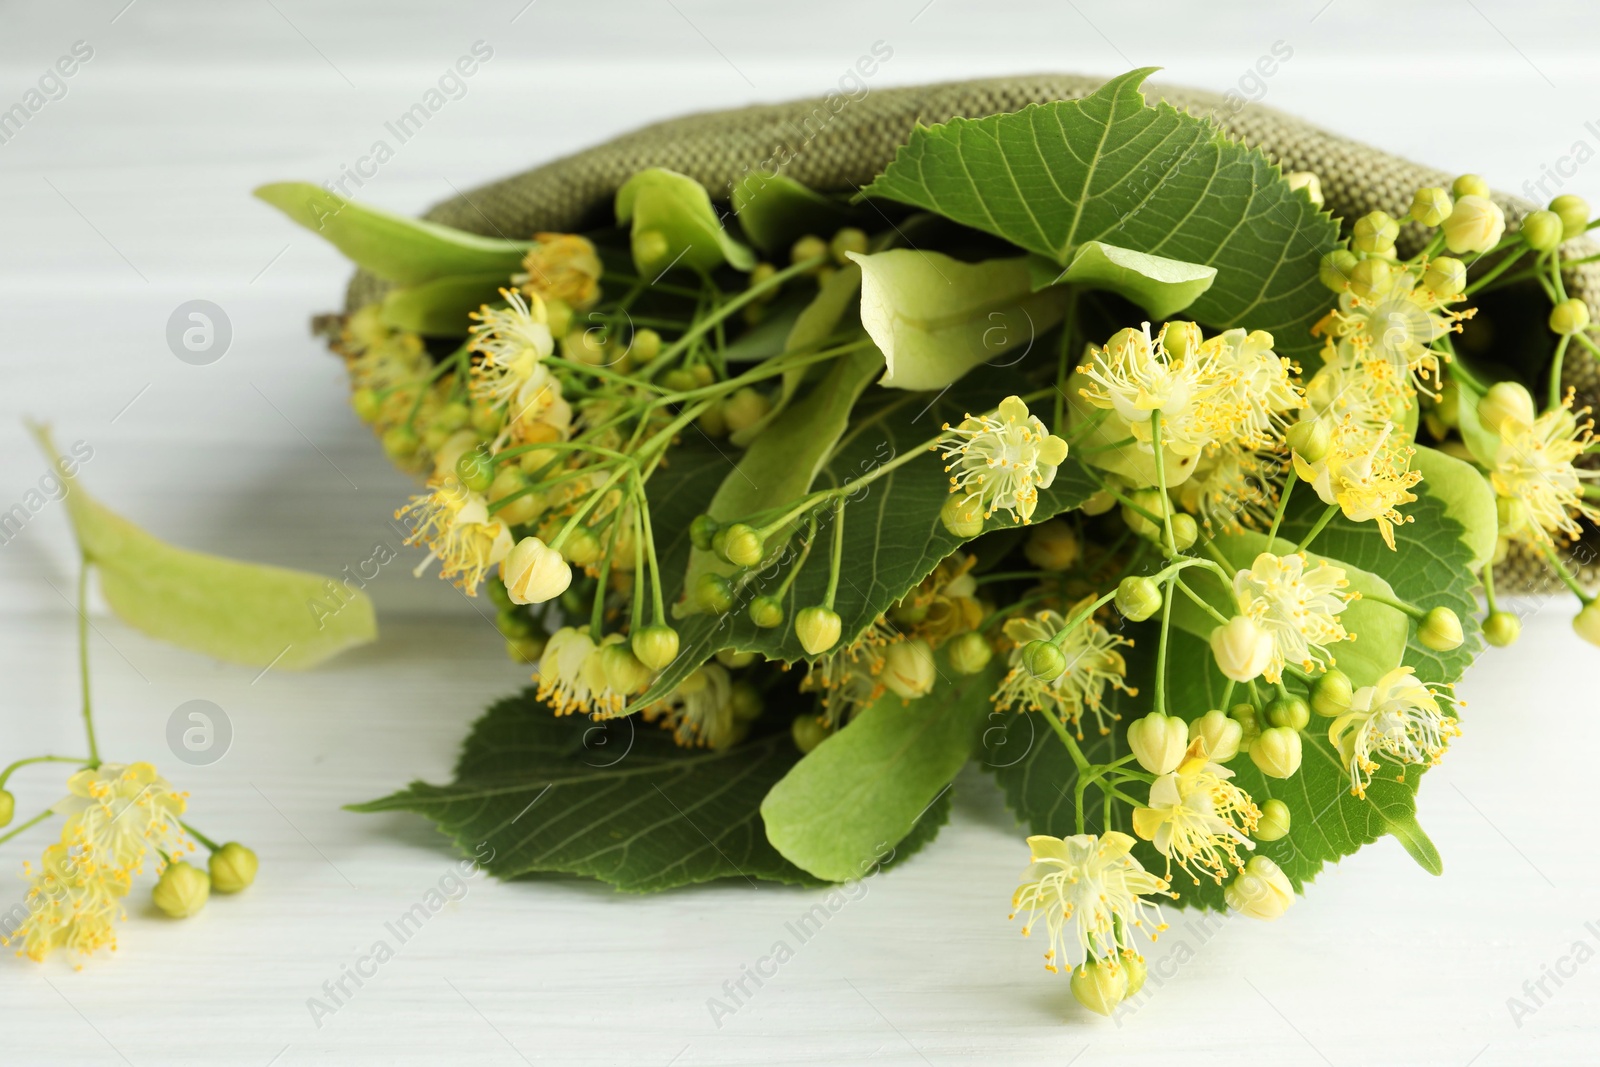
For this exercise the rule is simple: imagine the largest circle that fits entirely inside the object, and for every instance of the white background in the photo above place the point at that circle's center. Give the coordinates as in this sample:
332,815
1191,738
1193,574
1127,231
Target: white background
130,196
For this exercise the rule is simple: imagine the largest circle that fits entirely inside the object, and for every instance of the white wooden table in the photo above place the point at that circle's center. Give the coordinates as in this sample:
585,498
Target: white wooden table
128,196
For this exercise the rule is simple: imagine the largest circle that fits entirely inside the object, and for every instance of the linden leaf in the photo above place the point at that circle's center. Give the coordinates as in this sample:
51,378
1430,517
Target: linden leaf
774,211
439,308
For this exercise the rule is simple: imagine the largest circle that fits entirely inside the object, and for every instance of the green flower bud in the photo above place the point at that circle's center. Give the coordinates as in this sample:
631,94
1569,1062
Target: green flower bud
701,532
744,409
1469,185
1573,211
1099,502
525,649
509,481
1099,986
513,622
623,671
1430,206
1304,179
970,653
1221,733
1051,546
1261,891
1249,721
8,807
1158,742
1241,648
1149,500
1374,233
1445,277
650,249
1138,598
817,628
656,646
1476,225
1371,278
735,660
1044,660
1276,753
366,405
766,612
1569,317
1501,629
808,247
962,516
1335,269
1274,821
1331,694
475,471
712,423
400,442
808,732
680,380
1184,531
848,239
233,867
581,547
1440,630
747,702
1542,230
908,669
453,416
646,346
1586,624
181,890
742,546
1506,401
1310,439
1290,711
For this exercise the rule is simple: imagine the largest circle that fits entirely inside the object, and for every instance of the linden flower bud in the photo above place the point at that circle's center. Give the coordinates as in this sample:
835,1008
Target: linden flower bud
1374,233
232,867
1469,185
523,507
1100,502
1542,230
970,653
712,593
581,546
1044,660
908,669
744,409
1440,630
1331,694
1099,986
747,702
734,660
1242,649
701,532
1158,742
1276,753
1501,629
182,890
1506,401
1138,598
1476,225
8,807
766,612
646,346
1587,622
1221,734
808,732
817,628
1290,711
1569,317
845,241
534,572
623,671
1249,724
1445,277
808,247
1148,500
1371,278
1184,531
1430,206
1335,269
1261,890
656,646
1274,822
1573,211
1052,546
1304,179
743,547
963,517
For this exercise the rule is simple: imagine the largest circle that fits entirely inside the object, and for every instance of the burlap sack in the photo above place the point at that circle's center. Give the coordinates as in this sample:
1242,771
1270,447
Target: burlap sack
839,144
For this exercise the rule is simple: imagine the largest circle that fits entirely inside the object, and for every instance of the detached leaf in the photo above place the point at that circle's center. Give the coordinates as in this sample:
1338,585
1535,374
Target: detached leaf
856,795
674,224
395,248
440,308
617,801
935,318
239,612
775,211
1163,287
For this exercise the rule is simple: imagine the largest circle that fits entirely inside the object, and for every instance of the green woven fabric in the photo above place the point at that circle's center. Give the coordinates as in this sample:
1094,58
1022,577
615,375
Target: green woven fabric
840,144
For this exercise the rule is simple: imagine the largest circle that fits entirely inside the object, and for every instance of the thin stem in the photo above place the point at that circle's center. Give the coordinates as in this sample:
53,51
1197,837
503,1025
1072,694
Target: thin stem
1488,587
1069,327
1555,371
200,837
1159,701
1327,516
1207,608
83,658
6,774
1399,605
707,322
1161,479
1490,275
1283,505
35,821
835,564
1566,575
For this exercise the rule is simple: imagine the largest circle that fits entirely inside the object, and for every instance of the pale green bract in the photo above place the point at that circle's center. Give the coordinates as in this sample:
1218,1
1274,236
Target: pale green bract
674,225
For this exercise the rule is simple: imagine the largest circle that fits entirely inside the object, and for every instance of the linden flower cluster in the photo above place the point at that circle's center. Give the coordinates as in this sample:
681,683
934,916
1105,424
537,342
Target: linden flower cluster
1539,488
1001,461
1070,681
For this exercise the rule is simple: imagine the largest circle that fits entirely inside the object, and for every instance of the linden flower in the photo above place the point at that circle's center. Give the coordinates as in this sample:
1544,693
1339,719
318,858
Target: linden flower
1258,385
459,531
562,266
1197,817
567,671
73,902
1002,460
125,812
1231,488
1093,663
1391,333
1399,718
1298,607
1534,467
1094,886
1135,377
1367,476
700,711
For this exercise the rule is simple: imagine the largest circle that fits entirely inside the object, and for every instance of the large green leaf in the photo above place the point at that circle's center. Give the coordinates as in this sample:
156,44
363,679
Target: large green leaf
1152,179
1162,286
245,613
674,225
774,211
616,801
395,248
866,787
440,308
935,318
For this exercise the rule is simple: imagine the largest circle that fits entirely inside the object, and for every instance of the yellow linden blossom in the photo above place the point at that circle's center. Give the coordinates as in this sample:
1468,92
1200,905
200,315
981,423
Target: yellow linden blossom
1197,817
1094,886
1399,718
1232,487
1002,460
568,671
1391,333
456,526
73,902
512,343
700,711
125,812
562,266
1368,476
1258,385
1135,377
1298,607
1093,664
1534,472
